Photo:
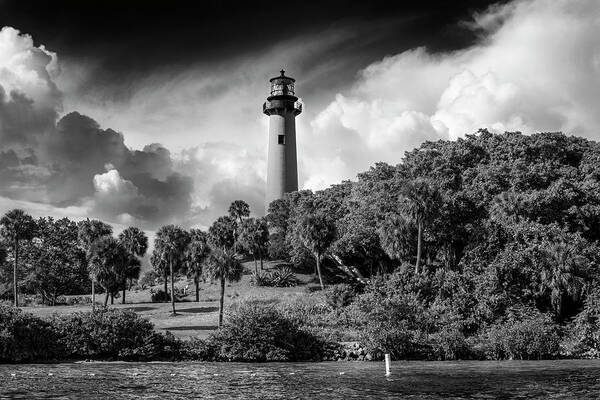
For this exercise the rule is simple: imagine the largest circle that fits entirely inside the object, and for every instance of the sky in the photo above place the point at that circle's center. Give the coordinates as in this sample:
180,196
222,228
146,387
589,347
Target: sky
147,113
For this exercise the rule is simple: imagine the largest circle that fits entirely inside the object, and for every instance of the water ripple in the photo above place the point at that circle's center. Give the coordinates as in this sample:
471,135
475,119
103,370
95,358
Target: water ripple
568,379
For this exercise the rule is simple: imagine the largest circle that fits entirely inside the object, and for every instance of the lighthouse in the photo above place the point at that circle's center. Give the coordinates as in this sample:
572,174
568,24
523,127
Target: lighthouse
282,107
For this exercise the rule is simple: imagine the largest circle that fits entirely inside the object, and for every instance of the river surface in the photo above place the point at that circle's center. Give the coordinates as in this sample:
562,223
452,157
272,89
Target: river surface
568,379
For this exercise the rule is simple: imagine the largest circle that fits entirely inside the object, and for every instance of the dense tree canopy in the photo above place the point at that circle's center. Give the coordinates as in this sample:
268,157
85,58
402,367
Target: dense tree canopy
517,216
56,265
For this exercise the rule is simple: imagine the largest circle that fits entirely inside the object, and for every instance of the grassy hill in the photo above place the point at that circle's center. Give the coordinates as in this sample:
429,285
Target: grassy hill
196,319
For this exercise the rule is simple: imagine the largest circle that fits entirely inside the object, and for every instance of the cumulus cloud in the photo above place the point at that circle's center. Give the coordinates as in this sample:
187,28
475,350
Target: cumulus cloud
536,68
62,163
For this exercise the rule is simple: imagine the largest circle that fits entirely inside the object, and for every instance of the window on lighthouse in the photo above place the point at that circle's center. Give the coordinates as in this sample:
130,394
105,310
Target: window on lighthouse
281,139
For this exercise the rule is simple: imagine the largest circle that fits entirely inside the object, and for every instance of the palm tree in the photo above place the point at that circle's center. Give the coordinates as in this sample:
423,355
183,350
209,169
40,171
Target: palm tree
395,236
160,263
254,237
88,232
221,234
562,274
135,242
224,266
16,227
238,210
171,241
419,202
196,255
507,207
108,260
317,234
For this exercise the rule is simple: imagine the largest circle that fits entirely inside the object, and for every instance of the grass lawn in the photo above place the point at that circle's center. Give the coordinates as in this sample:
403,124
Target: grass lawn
193,319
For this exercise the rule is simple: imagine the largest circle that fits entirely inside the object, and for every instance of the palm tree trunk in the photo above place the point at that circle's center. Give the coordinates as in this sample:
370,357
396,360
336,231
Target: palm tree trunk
106,299
112,299
172,286
93,294
419,240
261,259
15,290
123,302
166,281
255,264
221,301
318,258
197,283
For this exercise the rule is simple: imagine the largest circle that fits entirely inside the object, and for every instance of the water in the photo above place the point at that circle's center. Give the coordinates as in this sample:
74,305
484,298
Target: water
571,379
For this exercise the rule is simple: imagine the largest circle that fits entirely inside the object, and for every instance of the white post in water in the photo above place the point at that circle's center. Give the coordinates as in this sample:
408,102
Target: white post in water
388,364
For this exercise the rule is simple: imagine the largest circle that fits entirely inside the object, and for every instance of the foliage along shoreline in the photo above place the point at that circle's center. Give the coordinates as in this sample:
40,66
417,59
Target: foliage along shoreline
486,248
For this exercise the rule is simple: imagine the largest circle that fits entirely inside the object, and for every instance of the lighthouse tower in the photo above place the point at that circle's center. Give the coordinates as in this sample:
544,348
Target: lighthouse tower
281,106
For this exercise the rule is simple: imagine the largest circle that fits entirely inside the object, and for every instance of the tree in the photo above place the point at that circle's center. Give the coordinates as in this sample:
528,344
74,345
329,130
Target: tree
238,210
224,267
197,252
88,232
317,234
254,238
108,260
56,265
136,243
16,227
396,235
221,234
562,274
160,263
171,242
359,243
419,201
278,219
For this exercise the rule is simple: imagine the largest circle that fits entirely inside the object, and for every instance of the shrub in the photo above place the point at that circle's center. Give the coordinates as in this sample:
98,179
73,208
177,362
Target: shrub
582,339
449,344
396,339
281,277
180,293
260,278
525,334
199,349
25,337
74,300
159,296
108,333
284,277
261,333
341,295
149,279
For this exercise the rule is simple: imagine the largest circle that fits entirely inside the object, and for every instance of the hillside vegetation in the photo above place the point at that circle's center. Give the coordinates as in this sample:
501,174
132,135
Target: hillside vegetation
483,247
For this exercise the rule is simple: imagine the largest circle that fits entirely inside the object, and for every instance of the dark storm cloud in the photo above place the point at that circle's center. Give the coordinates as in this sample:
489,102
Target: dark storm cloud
126,40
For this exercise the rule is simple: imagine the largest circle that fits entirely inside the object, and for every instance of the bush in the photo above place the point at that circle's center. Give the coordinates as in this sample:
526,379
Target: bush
199,349
159,296
281,277
341,295
449,344
582,339
525,334
74,300
149,279
25,337
261,333
395,339
284,277
110,334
